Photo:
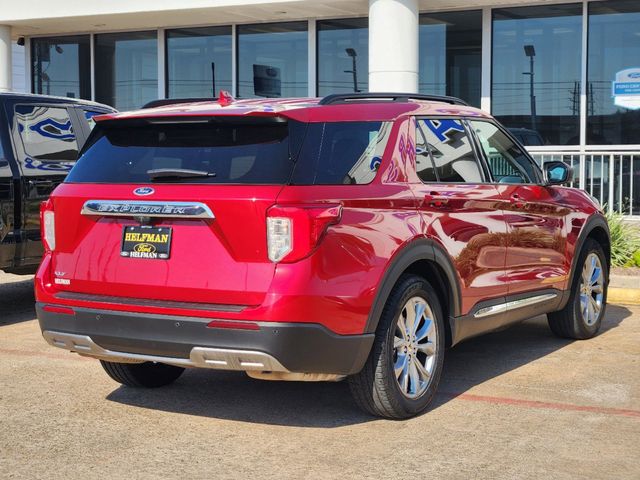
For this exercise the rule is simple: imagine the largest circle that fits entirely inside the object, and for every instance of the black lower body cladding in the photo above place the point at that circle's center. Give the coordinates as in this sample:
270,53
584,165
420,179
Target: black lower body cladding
299,347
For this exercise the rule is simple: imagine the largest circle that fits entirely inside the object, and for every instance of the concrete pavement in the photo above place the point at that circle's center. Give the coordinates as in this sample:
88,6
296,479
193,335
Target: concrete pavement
514,404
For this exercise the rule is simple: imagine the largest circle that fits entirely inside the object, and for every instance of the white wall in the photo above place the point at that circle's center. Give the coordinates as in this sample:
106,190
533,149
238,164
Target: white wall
19,67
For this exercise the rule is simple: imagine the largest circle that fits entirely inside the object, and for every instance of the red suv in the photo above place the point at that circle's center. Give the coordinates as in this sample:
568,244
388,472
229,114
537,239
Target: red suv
354,236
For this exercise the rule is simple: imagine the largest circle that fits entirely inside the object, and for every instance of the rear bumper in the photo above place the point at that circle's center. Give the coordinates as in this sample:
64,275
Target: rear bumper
188,341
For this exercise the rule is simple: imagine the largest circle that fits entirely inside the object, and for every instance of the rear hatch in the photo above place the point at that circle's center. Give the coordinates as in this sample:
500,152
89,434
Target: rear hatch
172,210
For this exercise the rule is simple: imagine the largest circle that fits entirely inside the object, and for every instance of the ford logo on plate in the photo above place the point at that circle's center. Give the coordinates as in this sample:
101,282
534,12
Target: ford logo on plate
143,191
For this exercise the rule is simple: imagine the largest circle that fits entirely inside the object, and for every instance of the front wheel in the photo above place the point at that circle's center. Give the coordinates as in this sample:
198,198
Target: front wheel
403,370
147,374
582,317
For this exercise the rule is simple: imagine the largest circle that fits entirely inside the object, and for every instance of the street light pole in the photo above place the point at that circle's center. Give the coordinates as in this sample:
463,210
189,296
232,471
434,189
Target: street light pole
354,71
530,52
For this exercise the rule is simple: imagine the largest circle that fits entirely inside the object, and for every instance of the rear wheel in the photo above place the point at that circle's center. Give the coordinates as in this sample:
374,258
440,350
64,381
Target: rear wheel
582,316
403,370
147,374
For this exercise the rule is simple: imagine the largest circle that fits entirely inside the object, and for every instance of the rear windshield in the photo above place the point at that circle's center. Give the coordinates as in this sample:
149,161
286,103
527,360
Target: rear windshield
231,153
241,152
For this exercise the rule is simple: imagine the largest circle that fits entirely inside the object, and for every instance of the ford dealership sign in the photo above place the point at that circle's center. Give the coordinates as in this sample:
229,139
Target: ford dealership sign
626,88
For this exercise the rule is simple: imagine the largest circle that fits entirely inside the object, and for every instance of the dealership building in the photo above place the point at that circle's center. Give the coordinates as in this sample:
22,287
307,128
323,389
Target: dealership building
564,77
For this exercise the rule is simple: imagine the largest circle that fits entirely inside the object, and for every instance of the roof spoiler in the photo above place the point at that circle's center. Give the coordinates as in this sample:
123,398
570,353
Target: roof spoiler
342,98
224,98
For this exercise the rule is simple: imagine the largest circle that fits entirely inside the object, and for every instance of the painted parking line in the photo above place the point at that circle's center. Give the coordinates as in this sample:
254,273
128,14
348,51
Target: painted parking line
544,405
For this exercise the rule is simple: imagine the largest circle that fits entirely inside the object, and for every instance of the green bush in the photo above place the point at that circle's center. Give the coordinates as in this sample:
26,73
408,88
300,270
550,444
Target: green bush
625,241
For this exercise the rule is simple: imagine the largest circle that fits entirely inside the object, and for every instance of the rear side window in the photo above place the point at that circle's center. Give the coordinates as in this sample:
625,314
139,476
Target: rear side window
44,138
230,152
341,153
424,165
451,151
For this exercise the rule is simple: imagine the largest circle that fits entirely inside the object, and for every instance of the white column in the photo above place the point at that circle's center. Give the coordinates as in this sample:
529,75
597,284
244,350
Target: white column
92,66
27,66
234,62
311,58
485,91
162,57
393,46
6,79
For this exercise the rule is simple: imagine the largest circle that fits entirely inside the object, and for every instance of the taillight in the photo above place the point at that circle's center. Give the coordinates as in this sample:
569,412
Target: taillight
279,238
48,225
294,231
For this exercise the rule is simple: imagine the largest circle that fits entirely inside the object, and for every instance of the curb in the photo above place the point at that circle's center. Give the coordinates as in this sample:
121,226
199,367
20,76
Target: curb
624,296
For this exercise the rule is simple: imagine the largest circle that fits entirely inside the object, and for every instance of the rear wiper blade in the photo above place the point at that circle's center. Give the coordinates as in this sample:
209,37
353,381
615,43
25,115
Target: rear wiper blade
170,173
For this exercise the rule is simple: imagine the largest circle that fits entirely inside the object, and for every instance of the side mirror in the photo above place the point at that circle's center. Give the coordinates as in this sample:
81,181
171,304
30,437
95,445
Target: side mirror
557,173
4,163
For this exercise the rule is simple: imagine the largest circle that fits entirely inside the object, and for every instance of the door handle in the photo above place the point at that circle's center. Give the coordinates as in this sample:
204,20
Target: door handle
517,201
41,183
434,199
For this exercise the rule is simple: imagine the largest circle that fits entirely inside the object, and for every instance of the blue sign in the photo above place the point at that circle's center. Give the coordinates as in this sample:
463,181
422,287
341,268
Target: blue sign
626,88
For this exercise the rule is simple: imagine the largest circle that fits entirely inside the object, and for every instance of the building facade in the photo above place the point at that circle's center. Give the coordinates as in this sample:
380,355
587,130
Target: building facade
564,77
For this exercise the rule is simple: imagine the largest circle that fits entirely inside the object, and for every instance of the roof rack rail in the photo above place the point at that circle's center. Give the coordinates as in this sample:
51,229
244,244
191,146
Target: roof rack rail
338,98
161,102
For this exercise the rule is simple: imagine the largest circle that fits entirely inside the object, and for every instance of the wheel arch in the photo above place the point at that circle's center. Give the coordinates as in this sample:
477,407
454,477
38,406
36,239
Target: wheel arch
600,235
429,260
596,228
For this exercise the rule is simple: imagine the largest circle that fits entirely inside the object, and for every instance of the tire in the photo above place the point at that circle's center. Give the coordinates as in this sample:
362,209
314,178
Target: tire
142,375
376,388
573,321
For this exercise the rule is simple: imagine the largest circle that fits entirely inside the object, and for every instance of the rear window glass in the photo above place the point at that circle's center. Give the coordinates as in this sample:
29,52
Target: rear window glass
341,153
265,152
230,153
44,139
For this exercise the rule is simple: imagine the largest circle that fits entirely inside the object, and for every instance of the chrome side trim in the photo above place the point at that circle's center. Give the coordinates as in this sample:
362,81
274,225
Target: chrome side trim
200,357
512,305
131,208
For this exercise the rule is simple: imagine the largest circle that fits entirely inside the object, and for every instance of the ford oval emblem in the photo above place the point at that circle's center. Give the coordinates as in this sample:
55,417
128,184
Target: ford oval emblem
143,191
634,75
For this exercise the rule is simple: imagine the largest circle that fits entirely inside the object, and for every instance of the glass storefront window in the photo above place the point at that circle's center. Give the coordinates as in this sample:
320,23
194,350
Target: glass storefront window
126,69
273,60
198,61
61,66
451,54
614,55
343,56
536,72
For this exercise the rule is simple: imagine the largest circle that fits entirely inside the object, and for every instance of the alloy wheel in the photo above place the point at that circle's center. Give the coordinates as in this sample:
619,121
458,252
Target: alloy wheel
415,347
591,289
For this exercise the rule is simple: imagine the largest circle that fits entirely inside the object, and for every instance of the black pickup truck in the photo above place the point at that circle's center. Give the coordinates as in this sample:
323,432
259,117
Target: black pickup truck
40,137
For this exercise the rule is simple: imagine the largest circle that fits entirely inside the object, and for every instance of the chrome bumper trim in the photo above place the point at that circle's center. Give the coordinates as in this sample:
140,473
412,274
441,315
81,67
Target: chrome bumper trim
200,357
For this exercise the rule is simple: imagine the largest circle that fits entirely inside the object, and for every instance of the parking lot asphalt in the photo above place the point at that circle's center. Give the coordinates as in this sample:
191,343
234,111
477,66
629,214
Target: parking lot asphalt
518,403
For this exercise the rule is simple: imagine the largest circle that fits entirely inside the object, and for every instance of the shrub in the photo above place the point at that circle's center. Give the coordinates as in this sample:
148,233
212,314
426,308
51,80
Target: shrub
636,258
625,240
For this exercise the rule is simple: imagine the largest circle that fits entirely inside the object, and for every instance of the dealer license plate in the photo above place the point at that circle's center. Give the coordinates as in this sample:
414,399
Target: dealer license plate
146,242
